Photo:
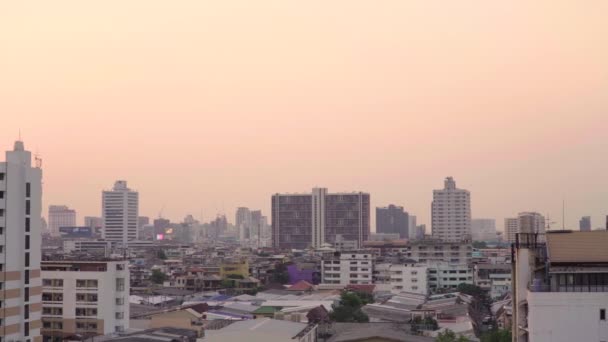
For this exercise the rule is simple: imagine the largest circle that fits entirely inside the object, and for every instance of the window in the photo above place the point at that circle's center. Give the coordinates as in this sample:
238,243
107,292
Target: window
26,294
1,194
1,212
120,267
27,242
120,315
602,314
26,329
27,276
28,189
1,176
27,259
26,311
27,207
27,224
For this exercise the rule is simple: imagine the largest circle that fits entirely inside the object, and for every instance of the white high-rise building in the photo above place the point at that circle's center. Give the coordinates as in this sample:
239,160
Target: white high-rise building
483,229
511,228
20,235
451,213
243,223
60,216
120,209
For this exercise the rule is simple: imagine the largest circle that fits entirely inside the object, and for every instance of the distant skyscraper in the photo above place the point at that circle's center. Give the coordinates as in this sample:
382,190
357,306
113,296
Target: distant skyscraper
60,216
451,213
142,221
256,223
120,208
420,231
585,224
243,222
20,220
531,222
303,220
217,227
393,220
93,222
483,229
511,228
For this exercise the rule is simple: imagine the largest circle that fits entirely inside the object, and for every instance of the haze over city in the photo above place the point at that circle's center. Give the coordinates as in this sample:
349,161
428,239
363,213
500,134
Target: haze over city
207,106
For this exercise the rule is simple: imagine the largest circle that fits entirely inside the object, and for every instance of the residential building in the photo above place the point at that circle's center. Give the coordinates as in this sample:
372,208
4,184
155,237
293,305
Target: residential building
96,224
451,213
235,268
120,209
483,229
60,216
85,298
243,222
585,224
20,235
420,232
494,278
511,228
424,251
403,277
561,287
443,275
531,222
303,220
392,220
344,268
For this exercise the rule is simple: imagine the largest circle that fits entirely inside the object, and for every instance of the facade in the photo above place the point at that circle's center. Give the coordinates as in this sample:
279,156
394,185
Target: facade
96,224
425,251
443,275
120,208
530,222
561,287
406,277
243,222
483,229
451,213
60,216
585,224
393,220
348,268
300,221
20,237
87,298
511,228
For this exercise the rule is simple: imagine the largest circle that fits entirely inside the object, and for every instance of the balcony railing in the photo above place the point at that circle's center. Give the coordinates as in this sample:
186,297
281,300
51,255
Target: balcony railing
567,288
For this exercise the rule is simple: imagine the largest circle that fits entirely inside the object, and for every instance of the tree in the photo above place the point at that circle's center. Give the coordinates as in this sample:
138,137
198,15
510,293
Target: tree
497,336
479,244
450,336
349,309
158,277
280,274
161,255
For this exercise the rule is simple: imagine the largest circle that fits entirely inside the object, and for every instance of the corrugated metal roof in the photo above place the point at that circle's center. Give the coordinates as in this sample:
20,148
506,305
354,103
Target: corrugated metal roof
578,246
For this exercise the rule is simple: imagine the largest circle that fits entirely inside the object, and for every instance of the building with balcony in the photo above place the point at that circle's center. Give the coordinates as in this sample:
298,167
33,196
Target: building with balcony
355,267
561,287
447,276
451,213
432,250
403,277
85,298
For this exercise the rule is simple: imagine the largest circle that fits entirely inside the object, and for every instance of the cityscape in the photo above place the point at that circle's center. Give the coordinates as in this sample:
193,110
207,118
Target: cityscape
276,171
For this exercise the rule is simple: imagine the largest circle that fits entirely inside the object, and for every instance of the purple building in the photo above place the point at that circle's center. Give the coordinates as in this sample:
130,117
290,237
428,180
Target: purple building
306,272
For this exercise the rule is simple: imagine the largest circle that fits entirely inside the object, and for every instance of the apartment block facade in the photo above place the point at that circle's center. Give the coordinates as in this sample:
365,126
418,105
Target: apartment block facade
451,213
425,251
300,221
356,267
85,298
120,209
20,238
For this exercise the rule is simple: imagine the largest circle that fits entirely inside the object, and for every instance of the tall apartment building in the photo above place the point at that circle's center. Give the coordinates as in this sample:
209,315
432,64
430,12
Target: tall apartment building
85,298
585,224
120,209
243,222
530,222
511,228
393,220
451,213
561,287
60,216
303,220
20,235
483,229
355,267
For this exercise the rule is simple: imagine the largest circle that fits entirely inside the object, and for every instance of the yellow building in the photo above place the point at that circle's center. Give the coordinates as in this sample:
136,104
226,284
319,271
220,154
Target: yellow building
240,268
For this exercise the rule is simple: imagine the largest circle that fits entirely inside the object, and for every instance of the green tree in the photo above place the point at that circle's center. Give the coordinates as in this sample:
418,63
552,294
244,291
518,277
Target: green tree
234,276
280,274
157,276
228,283
349,309
450,336
497,336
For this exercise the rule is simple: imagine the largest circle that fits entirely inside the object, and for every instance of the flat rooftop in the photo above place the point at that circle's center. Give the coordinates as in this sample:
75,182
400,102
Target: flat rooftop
577,247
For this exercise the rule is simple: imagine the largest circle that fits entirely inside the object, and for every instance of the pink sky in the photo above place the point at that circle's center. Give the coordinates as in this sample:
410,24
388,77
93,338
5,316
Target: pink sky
210,105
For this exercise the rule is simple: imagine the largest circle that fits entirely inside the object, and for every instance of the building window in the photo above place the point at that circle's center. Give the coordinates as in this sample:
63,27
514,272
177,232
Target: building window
26,311
27,242
1,212
27,207
27,224
26,294
1,176
27,259
602,314
26,329
27,277
1,194
28,189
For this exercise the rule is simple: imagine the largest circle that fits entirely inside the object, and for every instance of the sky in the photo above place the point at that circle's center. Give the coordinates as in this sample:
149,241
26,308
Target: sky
204,106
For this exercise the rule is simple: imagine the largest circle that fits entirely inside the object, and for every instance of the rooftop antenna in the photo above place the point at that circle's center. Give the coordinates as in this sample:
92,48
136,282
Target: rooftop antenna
563,214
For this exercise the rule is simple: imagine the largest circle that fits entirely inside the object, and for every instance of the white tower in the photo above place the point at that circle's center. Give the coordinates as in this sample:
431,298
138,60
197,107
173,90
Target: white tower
451,213
120,209
20,234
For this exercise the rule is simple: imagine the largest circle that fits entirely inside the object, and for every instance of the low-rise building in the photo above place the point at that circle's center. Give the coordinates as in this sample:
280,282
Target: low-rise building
403,277
87,298
447,276
432,250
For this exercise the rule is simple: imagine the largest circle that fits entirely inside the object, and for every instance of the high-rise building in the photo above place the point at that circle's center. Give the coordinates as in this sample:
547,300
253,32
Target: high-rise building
511,228
303,220
393,220
20,235
243,222
585,224
120,208
60,216
531,222
483,229
451,213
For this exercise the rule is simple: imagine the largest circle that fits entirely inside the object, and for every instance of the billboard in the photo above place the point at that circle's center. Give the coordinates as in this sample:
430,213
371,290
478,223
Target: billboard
76,232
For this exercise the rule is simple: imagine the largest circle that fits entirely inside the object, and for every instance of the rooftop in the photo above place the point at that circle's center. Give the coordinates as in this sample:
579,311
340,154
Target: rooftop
577,246
257,330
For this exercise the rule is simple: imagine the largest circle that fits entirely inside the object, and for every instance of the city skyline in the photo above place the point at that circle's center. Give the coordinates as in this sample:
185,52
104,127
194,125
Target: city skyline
390,100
